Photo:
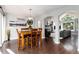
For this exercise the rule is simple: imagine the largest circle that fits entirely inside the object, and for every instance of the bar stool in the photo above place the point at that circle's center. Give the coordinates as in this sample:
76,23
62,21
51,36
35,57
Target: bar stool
19,39
34,37
27,36
28,39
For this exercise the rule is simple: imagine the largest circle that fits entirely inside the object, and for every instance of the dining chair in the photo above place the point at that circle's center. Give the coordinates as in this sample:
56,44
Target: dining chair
34,37
19,39
28,39
24,35
24,29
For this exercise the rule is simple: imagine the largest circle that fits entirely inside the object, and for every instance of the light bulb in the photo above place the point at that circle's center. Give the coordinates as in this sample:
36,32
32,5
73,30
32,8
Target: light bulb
30,18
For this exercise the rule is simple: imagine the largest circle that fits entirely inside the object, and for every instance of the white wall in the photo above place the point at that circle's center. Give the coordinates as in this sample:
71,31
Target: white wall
4,37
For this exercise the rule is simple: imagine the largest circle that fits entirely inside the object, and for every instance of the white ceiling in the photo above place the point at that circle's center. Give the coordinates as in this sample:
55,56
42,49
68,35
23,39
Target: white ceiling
23,10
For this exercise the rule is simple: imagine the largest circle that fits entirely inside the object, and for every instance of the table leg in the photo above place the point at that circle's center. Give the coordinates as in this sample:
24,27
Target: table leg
18,42
41,40
31,42
22,41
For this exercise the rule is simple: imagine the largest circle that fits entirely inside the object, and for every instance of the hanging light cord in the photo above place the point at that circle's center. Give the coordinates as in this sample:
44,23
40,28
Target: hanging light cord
30,12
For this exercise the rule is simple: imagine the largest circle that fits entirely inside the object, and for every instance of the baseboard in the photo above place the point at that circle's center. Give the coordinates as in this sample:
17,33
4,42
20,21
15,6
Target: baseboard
56,42
13,38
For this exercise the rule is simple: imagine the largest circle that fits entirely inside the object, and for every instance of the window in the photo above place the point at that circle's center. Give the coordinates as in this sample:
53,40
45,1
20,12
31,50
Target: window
68,22
68,26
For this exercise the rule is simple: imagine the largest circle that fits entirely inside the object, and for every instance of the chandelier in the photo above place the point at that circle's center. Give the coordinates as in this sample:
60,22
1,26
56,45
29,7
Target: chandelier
30,19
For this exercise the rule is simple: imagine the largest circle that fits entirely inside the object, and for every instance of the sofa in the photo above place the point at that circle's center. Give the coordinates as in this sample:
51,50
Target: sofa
65,33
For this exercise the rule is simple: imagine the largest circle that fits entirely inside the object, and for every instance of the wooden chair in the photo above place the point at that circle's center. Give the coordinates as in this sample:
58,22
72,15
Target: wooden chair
25,29
28,39
34,37
19,39
22,44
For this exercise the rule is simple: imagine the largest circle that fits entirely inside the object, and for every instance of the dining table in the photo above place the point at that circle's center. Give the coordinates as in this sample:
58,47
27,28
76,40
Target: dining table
29,32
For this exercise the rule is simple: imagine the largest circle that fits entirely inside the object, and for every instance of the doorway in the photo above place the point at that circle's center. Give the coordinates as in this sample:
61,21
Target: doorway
48,24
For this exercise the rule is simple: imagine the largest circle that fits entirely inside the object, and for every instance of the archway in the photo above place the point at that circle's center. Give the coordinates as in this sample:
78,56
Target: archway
49,26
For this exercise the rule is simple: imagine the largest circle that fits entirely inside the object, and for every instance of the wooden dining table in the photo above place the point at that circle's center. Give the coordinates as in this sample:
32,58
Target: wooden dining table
29,32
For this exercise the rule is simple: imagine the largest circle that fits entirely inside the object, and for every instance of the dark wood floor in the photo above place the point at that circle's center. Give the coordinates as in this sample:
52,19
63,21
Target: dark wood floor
49,47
